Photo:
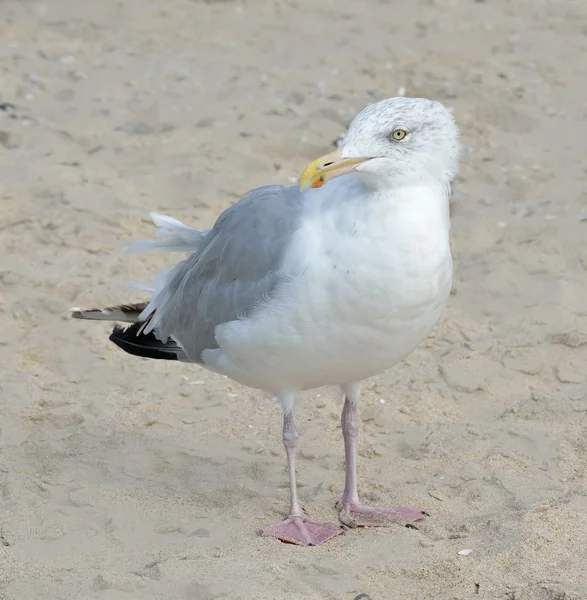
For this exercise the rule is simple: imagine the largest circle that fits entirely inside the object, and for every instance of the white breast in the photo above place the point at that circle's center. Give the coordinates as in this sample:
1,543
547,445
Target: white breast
369,279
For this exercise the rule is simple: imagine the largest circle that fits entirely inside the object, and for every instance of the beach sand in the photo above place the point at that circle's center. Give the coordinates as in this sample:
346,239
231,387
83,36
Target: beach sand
122,478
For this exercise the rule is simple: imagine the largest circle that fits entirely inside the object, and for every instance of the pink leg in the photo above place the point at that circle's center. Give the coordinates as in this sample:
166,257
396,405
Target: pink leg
297,528
352,512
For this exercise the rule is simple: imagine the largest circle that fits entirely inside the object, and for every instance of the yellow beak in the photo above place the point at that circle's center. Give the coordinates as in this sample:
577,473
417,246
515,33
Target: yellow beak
327,167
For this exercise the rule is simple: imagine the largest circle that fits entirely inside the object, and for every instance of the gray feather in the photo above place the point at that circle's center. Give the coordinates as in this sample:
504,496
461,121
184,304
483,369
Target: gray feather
236,267
125,313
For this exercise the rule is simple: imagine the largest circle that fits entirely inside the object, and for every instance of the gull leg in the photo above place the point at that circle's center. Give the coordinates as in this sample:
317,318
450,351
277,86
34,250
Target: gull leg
352,512
297,528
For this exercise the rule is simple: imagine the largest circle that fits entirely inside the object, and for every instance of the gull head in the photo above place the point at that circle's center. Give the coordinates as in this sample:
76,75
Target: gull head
394,142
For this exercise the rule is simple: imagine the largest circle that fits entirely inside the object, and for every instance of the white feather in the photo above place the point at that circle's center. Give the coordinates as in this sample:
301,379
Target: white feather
180,237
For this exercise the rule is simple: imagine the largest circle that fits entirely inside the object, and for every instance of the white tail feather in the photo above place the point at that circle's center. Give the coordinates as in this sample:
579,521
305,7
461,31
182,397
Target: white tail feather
180,237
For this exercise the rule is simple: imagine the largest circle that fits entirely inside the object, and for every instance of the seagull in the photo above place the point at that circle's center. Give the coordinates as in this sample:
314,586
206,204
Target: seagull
328,282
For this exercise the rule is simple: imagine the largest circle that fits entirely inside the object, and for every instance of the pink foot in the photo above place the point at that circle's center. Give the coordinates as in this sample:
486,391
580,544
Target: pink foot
301,531
358,515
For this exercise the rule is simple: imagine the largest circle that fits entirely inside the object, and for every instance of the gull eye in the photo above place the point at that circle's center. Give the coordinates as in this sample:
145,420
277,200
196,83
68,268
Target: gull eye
398,134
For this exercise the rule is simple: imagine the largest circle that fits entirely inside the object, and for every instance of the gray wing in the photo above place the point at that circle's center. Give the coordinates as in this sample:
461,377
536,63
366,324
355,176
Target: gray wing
235,268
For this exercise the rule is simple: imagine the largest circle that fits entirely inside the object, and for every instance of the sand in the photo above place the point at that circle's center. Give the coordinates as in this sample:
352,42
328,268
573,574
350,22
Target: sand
123,478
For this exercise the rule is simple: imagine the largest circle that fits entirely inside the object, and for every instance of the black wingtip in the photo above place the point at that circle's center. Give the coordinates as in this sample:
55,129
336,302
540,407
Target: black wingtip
144,345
